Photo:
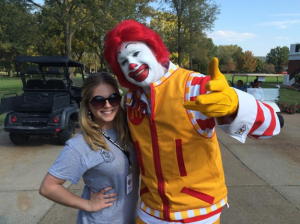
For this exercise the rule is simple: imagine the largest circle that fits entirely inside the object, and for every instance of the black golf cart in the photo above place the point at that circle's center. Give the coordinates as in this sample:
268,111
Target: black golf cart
50,101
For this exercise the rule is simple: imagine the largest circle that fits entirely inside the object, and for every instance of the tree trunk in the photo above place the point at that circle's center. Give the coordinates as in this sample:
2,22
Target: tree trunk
190,44
179,40
96,69
11,71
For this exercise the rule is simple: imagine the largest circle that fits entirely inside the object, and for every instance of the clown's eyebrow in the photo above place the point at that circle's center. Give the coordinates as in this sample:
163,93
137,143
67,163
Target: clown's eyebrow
127,46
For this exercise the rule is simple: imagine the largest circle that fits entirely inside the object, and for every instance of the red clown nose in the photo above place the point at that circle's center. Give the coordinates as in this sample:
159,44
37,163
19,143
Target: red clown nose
132,66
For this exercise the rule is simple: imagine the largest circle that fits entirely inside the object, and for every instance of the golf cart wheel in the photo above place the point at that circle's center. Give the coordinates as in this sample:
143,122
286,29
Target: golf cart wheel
281,120
66,134
18,139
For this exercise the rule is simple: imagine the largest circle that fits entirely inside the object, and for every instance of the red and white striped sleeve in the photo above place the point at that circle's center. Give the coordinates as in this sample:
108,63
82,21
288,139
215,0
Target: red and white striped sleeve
254,119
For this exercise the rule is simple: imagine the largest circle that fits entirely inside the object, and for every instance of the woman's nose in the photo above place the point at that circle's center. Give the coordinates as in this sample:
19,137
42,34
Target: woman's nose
132,66
107,104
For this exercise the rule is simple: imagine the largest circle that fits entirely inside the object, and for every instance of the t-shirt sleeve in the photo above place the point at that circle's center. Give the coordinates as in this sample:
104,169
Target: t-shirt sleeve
70,165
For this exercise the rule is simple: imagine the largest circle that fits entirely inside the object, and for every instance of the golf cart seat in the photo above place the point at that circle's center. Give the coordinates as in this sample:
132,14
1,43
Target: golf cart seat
33,71
55,84
54,71
35,84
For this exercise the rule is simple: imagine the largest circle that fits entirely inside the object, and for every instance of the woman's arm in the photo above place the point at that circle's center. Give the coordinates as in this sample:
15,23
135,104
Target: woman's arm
53,189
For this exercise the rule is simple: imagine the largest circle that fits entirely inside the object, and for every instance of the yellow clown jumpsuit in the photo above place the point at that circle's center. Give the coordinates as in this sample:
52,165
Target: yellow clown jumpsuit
181,168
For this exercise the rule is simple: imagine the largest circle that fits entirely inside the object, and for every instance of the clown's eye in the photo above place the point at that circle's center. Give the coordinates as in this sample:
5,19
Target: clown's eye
136,54
124,62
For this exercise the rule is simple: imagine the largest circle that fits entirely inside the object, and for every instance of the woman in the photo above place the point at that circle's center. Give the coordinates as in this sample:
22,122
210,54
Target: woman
102,153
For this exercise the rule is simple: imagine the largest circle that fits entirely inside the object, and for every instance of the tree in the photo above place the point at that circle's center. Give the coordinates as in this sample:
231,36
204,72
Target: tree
165,24
205,50
249,62
108,14
193,16
228,53
17,32
229,67
270,68
260,65
279,57
246,62
70,15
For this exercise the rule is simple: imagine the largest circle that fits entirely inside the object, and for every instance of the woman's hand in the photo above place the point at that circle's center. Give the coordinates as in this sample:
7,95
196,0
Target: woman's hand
101,200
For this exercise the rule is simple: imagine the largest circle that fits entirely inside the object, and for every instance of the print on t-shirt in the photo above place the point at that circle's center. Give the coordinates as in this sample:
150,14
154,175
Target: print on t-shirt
107,156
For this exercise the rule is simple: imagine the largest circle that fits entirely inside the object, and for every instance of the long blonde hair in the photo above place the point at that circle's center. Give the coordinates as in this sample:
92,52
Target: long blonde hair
92,132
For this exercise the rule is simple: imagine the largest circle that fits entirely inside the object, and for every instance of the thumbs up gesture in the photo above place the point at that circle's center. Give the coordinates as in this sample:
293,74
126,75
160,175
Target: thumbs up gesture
222,99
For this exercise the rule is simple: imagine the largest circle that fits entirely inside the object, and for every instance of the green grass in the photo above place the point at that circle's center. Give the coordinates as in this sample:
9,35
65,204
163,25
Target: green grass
9,85
286,95
14,85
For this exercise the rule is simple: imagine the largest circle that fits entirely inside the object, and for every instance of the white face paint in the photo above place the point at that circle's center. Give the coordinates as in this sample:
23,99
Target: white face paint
139,64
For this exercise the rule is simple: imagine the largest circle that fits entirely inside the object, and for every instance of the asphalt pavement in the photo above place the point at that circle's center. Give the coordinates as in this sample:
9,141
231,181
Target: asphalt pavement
262,176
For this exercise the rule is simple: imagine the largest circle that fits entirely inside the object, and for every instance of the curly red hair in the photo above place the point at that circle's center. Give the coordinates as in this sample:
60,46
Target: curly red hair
130,30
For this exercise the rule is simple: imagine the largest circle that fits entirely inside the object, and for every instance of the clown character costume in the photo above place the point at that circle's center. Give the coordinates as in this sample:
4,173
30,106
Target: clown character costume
172,113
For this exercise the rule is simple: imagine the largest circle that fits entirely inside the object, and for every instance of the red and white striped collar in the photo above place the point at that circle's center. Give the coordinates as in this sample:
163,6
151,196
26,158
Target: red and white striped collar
172,68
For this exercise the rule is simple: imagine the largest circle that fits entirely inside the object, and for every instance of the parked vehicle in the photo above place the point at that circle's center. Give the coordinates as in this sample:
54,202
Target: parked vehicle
271,95
49,104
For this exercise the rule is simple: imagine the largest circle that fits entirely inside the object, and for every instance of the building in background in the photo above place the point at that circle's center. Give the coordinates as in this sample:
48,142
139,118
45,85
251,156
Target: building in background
294,60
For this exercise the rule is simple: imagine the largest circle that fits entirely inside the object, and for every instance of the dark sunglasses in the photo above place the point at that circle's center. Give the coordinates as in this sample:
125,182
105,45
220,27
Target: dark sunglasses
98,102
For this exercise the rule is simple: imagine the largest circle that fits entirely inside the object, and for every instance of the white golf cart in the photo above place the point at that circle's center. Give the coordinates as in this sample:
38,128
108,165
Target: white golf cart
271,95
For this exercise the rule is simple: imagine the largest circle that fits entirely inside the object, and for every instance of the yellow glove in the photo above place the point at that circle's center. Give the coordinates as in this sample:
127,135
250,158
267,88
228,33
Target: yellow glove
222,99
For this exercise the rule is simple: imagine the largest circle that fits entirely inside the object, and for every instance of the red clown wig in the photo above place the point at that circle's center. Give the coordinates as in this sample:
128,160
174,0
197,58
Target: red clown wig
130,30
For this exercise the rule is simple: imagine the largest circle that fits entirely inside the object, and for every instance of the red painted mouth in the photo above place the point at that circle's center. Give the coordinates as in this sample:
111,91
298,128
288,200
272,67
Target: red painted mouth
140,74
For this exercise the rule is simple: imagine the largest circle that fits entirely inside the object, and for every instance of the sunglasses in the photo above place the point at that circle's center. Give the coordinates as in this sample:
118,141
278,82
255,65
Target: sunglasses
98,102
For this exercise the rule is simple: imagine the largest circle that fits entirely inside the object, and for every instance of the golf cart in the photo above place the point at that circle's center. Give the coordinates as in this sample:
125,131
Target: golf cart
271,95
49,104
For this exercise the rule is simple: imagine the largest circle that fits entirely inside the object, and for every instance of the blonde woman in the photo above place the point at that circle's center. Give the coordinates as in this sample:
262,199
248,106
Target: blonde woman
102,154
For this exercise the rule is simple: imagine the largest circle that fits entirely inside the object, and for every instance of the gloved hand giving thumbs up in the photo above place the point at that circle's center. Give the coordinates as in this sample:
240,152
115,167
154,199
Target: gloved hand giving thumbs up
222,99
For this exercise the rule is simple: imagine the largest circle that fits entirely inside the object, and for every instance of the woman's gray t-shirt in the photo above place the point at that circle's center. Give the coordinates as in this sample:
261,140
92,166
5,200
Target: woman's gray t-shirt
100,169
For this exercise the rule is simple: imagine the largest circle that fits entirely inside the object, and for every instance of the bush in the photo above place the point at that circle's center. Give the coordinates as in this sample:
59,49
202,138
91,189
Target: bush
289,108
297,78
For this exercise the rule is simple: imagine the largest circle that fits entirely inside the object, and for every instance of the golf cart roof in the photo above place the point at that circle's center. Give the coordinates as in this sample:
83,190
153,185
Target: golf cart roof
52,61
257,74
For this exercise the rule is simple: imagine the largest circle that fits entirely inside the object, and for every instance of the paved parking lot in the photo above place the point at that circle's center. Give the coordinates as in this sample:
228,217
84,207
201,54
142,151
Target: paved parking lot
263,179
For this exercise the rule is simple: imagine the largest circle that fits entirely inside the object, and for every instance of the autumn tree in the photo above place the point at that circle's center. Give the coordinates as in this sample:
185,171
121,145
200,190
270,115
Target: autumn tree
279,57
246,62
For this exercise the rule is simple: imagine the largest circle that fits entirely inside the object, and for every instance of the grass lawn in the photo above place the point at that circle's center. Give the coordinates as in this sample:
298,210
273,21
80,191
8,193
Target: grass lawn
286,95
14,85
9,85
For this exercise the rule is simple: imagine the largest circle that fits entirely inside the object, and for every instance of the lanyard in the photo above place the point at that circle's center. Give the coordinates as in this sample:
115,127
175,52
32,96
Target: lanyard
119,147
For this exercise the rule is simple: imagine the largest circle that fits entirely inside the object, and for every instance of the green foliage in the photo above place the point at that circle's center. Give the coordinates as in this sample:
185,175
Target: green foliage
279,57
228,53
17,33
9,85
260,66
297,78
193,17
